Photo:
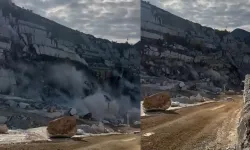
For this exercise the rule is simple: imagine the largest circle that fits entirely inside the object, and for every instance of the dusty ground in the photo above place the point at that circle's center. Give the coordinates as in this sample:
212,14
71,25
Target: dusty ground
210,126
111,142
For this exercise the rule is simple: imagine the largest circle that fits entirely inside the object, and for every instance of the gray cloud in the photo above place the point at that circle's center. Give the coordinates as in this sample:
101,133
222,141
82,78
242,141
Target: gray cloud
217,14
115,20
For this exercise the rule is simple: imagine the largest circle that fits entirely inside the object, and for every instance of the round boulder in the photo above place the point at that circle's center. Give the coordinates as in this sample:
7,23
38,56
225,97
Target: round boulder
62,127
3,129
160,101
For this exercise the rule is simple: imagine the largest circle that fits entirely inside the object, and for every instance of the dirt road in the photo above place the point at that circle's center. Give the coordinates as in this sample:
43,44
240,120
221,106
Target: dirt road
112,142
210,126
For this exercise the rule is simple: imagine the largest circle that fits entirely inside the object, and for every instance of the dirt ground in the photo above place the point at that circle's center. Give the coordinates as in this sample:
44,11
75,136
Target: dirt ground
111,142
210,126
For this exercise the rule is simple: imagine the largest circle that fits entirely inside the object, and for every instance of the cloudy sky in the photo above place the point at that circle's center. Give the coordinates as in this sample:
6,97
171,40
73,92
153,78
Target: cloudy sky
219,14
115,20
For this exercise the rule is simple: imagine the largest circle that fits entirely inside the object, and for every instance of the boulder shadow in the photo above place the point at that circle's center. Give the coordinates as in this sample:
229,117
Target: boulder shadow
161,111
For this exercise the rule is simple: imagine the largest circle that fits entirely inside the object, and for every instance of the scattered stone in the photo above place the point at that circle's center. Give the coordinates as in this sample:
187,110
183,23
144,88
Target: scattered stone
3,129
62,127
23,105
159,101
137,132
3,119
72,112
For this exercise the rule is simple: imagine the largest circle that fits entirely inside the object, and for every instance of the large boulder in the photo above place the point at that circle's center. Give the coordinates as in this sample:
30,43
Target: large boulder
62,127
3,129
160,101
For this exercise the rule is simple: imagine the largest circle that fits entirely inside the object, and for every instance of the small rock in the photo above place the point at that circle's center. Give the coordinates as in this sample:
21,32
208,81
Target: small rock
3,119
23,105
62,127
72,112
3,129
80,132
175,104
11,103
182,84
51,109
105,122
137,123
88,116
86,128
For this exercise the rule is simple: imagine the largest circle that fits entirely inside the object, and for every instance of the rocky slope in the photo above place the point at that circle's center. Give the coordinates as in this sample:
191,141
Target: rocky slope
45,64
200,58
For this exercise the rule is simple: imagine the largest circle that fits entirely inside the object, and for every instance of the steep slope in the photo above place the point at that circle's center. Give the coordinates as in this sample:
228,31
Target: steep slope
204,59
57,66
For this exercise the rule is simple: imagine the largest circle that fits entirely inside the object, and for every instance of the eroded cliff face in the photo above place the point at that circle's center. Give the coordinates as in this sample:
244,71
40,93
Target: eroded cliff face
181,50
244,126
54,65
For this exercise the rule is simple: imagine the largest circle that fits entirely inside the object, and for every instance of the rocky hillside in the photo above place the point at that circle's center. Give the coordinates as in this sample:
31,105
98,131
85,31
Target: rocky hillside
198,57
52,65
241,35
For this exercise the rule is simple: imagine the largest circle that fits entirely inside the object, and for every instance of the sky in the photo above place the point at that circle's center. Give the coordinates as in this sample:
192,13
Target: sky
115,20
218,14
